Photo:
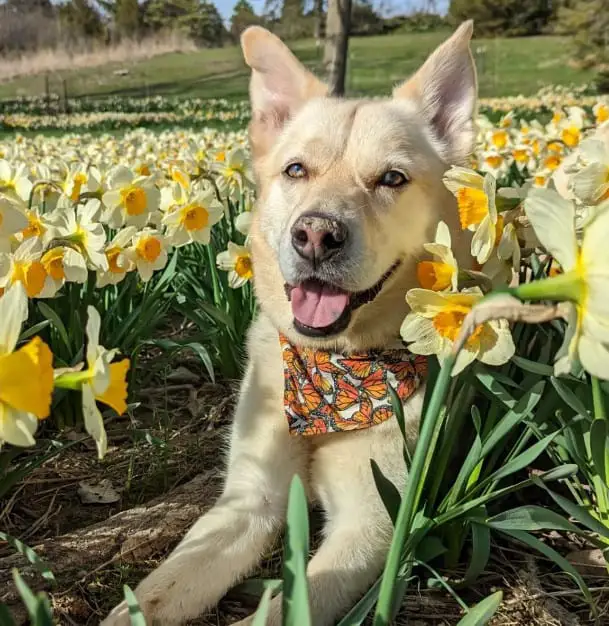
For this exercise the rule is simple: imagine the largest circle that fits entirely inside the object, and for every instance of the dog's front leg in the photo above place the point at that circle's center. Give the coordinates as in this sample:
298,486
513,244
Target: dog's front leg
228,541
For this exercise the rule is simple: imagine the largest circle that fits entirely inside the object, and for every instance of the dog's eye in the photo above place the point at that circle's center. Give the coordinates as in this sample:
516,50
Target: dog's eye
295,170
392,178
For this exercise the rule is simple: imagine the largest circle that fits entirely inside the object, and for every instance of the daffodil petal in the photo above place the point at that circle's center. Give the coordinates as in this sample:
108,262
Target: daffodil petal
94,423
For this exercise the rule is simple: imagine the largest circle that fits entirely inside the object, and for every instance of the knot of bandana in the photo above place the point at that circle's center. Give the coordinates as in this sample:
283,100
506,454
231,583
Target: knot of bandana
328,392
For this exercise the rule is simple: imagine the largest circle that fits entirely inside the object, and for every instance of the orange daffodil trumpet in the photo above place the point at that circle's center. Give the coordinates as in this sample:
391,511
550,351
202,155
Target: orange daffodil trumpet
442,272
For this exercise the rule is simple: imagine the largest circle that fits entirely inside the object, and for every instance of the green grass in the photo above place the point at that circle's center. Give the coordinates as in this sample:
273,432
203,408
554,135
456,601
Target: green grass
506,67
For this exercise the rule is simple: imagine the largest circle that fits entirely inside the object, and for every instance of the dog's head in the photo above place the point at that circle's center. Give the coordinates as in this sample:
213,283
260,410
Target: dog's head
350,190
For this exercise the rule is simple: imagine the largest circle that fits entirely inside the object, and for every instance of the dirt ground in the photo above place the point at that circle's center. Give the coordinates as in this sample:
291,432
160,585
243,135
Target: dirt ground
175,434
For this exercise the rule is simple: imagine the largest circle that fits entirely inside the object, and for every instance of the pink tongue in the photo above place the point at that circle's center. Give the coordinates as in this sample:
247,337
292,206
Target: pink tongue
317,305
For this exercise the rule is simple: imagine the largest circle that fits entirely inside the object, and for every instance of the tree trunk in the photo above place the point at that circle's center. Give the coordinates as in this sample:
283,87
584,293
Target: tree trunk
338,23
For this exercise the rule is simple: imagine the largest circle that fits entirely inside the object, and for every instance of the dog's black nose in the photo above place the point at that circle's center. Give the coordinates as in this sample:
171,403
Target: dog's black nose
317,237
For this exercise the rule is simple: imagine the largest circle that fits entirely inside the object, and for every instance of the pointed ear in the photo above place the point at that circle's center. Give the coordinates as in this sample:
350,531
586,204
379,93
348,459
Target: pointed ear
445,91
279,86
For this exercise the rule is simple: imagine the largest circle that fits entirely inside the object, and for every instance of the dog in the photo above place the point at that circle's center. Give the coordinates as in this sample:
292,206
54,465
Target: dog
348,192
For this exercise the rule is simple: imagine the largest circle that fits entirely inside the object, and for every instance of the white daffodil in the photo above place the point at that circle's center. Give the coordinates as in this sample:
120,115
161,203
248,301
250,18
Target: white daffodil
591,183
601,112
172,196
130,199
148,252
193,221
443,272
15,181
475,196
233,173
237,261
79,180
523,157
24,266
12,220
38,227
494,162
63,264
119,262
101,381
584,281
498,138
436,319
243,222
81,227
26,375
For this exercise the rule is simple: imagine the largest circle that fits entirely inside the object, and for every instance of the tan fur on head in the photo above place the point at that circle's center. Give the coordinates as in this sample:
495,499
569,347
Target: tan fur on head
346,145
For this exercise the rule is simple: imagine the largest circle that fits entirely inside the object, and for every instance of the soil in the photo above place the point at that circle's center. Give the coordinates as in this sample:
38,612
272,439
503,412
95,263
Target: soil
167,455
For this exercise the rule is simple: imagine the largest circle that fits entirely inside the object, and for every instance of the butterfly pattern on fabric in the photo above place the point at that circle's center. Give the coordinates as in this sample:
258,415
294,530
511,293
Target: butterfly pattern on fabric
328,392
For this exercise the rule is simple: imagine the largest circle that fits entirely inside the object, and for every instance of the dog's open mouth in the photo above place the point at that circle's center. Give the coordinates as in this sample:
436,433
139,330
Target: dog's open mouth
321,309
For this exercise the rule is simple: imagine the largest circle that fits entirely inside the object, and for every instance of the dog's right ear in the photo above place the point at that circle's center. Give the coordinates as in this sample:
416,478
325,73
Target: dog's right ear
279,86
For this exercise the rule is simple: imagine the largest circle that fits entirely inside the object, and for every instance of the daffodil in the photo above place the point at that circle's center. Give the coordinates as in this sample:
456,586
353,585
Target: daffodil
64,264
12,220
584,280
233,173
80,180
148,252
237,261
119,261
475,196
243,222
38,227
25,266
102,381
130,199
601,112
26,375
494,162
192,221
442,272
436,319
81,228
591,183
15,180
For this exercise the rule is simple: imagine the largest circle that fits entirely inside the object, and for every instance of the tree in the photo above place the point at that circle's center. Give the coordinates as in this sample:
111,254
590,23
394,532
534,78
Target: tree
338,23
198,19
588,22
80,19
127,18
243,16
510,18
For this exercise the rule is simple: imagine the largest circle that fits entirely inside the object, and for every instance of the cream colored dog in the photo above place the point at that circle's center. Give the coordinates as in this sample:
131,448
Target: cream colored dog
349,191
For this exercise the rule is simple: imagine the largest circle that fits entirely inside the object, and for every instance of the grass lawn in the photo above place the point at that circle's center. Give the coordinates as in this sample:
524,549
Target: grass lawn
506,67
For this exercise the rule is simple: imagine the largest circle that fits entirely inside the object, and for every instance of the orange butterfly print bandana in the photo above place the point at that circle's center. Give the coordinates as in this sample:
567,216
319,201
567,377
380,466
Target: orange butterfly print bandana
327,392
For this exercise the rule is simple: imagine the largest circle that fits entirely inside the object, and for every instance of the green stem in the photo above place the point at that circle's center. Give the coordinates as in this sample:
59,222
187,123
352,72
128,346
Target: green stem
409,504
598,401
568,286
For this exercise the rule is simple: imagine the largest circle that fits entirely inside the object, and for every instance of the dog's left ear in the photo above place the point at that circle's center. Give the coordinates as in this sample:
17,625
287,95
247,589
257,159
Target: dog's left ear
445,92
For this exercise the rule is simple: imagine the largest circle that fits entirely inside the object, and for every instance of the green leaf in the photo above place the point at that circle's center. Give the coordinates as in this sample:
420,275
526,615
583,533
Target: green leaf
599,448
482,612
6,619
531,517
197,348
34,330
429,548
398,409
296,610
569,397
481,551
257,586
387,490
38,607
360,611
136,617
262,612
532,366
523,408
551,554
523,460
30,555
52,316
576,511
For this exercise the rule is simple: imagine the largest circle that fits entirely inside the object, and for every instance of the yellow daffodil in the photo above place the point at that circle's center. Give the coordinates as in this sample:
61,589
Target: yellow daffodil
434,323
25,266
475,196
102,381
192,221
26,375
237,261
584,280
130,199
442,272
119,261
601,112
148,252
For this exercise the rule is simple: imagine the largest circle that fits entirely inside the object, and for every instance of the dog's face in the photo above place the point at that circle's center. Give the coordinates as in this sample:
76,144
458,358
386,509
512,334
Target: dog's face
350,190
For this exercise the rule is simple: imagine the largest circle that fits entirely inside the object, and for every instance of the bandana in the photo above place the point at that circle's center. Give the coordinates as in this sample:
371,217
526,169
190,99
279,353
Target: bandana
327,392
